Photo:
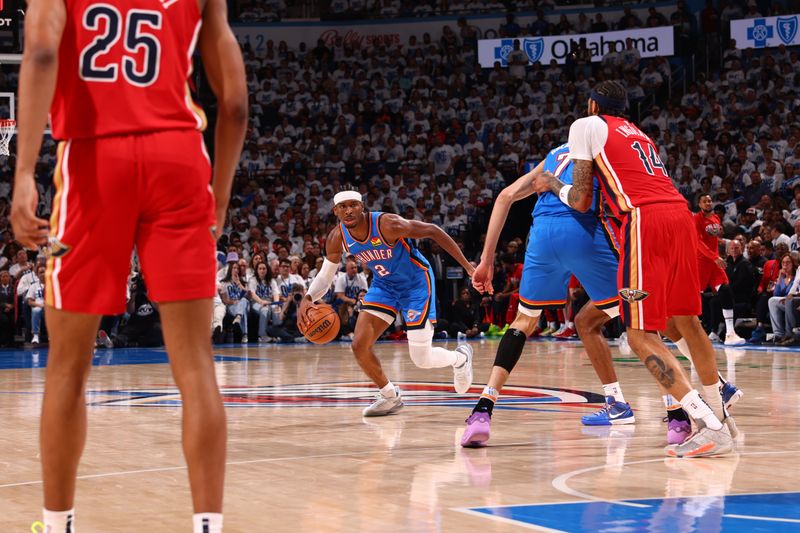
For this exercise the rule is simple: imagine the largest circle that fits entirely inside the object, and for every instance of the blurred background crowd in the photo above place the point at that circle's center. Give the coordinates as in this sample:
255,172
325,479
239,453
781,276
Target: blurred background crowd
421,130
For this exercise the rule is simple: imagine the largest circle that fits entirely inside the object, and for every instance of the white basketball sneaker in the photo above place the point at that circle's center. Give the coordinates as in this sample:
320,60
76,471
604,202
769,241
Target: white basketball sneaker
462,375
383,406
732,339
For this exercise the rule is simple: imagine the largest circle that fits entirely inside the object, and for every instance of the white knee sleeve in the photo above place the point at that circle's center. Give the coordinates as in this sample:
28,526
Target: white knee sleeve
533,313
423,353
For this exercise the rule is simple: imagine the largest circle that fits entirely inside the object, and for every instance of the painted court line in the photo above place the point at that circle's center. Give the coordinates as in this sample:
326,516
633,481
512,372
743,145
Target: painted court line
762,518
515,523
560,483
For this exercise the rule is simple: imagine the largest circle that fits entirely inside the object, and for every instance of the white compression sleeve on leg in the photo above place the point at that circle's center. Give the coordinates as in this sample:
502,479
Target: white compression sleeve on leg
322,281
423,353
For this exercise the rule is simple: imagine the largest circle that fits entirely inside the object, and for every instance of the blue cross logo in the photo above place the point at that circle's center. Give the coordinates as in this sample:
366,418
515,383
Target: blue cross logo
501,52
759,33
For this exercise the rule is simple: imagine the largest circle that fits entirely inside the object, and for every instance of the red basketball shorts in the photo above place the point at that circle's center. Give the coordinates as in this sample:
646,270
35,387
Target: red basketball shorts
711,275
657,274
150,191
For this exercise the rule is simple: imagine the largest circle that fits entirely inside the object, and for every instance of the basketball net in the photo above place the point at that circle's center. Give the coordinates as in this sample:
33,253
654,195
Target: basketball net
7,127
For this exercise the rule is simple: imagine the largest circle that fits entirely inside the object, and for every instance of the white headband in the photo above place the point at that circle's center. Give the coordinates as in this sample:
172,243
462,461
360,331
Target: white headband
344,196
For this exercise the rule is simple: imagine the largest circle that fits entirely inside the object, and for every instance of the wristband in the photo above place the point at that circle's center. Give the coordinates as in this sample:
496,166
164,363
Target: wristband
563,194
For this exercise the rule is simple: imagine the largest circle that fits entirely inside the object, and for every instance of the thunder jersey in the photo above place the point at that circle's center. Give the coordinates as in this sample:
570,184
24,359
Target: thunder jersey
626,162
401,266
559,164
123,68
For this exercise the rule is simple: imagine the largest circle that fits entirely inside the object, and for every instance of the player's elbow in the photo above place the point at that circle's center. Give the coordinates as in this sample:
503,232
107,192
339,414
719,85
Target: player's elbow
42,54
234,109
583,204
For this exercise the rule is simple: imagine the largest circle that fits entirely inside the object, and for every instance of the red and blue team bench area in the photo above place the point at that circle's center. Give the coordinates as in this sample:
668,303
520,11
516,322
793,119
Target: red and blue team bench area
773,512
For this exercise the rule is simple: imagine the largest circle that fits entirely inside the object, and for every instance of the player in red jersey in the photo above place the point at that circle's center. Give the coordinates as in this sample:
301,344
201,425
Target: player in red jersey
657,276
132,170
711,266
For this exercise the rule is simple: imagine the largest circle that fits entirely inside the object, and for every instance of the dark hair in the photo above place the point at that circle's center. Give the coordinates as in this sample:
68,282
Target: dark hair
267,277
507,259
611,93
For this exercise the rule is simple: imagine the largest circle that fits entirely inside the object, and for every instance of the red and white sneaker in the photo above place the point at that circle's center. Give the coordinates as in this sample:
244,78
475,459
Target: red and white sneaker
566,333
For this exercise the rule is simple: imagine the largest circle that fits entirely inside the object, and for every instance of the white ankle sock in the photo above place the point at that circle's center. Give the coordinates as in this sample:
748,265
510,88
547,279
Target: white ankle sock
727,314
207,522
613,389
714,399
388,391
698,409
59,521
571,324
683,347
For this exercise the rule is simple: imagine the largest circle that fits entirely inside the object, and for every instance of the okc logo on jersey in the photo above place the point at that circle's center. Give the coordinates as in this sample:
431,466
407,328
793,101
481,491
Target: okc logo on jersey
633,295
376,242
412,315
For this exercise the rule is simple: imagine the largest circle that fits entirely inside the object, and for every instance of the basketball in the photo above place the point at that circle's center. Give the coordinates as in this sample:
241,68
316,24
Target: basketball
323,324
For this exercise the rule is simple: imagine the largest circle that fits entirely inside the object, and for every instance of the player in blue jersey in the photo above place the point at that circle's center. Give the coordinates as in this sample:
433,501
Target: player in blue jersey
562,241
402,283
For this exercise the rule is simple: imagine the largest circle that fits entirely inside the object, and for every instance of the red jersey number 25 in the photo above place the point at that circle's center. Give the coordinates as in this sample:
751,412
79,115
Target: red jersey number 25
142,50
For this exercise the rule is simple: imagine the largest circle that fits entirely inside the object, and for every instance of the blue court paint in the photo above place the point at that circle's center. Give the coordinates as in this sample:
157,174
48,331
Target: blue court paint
774,512
37,358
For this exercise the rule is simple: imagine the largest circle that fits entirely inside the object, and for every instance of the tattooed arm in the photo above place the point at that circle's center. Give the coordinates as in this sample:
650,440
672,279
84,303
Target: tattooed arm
579,196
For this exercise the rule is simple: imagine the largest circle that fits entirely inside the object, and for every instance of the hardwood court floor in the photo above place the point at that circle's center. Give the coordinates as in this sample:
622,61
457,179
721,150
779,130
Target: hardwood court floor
301,458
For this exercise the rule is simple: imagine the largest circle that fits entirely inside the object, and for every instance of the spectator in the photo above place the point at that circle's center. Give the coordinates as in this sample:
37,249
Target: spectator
782,304
348,285
466,317
7,304
233,294
35,300
264,295
143,327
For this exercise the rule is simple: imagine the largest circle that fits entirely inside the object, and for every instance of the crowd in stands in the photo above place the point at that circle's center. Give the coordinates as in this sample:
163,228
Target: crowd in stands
422,131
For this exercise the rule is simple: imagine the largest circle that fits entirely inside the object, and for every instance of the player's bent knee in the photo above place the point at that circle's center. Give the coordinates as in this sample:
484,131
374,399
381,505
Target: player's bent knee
420,347
526,320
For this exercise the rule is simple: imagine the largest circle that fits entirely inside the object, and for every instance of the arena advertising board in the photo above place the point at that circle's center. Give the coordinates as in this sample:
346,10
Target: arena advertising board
766,32
651,42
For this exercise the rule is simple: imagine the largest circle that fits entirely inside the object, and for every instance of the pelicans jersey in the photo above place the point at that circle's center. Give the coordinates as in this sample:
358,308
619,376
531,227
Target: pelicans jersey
657,275
708,231
132,169
124,67
563,242
401,283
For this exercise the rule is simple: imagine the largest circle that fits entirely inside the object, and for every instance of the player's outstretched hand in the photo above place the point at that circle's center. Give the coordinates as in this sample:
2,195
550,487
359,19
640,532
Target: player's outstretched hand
482,278
305,305
543,182
29,230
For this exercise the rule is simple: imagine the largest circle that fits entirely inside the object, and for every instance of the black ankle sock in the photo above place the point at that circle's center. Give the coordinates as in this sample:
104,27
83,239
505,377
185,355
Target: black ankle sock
484,405
677,414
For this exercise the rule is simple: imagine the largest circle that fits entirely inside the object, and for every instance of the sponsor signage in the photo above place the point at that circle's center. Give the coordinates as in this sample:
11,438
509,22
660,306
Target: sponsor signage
765,32
650,42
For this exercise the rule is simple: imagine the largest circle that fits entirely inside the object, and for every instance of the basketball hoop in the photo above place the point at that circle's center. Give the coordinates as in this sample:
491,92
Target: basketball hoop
7,128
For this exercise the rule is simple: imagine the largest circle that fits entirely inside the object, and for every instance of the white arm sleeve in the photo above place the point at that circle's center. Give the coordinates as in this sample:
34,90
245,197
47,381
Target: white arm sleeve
322,281
587,136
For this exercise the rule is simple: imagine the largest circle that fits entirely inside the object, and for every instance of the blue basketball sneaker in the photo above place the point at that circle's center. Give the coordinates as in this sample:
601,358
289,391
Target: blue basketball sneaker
612,414
730,394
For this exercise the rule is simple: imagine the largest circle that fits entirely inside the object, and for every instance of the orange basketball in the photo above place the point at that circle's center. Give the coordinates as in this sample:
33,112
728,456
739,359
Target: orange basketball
323,324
